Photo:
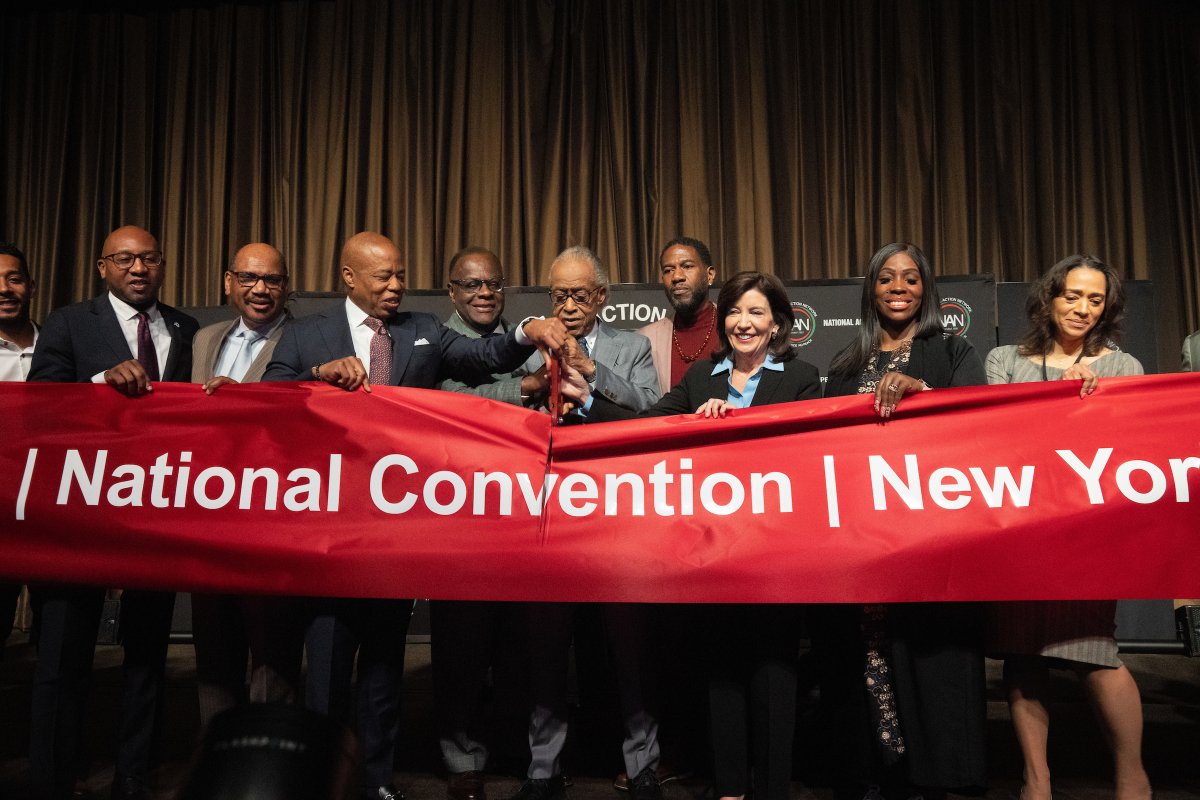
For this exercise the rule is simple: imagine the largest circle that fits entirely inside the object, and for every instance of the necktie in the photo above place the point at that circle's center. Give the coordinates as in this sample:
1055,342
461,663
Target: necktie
146,354
583,345
245,355
380,372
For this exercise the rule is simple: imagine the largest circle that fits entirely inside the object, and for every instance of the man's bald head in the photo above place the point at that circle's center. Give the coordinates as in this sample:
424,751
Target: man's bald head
374,274
122,265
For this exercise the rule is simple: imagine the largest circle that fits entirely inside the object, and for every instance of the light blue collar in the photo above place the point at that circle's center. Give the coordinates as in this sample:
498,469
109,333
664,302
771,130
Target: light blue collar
727,366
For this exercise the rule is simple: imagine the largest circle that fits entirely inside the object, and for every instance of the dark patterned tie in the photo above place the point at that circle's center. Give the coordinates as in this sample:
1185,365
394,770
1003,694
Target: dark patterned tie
380,372
146,354
583,345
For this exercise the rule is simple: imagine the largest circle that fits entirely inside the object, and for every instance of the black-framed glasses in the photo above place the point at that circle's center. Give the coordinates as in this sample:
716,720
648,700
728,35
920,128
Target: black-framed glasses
249,279
582,297
152,259
473,285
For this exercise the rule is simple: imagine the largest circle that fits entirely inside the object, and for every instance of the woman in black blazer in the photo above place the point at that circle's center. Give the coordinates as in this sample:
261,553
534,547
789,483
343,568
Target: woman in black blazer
902,684
752,648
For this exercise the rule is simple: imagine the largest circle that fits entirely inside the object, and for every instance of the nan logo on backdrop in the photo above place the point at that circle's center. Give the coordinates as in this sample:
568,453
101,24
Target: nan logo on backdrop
805,325
956,316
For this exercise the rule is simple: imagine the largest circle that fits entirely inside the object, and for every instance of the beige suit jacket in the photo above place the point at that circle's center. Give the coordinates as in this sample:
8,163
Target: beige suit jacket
206,350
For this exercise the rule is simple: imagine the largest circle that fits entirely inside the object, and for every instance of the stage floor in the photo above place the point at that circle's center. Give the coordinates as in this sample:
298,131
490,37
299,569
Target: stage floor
1170,686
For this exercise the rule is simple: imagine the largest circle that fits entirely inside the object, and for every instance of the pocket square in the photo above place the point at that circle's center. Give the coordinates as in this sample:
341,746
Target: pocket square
420,342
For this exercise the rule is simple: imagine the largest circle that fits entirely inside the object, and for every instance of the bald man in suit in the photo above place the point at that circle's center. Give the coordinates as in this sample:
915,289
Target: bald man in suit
128,340
369,341
226,629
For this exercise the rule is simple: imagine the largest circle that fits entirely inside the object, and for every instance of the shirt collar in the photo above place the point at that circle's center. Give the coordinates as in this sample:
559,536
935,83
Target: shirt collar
262,333
126,311
355,315
727,365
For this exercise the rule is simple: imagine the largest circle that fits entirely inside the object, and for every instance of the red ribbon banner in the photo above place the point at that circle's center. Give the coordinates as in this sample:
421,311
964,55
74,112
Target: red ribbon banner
988,493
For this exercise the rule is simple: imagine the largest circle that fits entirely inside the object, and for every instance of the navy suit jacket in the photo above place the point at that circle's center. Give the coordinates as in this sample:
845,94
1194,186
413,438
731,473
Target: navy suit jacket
81,340
424,351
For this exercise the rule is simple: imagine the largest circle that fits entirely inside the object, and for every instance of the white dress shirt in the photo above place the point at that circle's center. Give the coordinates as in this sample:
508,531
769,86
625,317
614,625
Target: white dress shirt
127,316
15,360
240,337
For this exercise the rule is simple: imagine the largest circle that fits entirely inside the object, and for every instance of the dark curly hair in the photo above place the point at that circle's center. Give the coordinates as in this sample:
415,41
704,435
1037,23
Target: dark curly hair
781,312
1039,337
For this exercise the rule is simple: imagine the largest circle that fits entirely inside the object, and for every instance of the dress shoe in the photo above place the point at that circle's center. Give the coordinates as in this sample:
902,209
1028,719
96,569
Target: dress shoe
664,772
129,789
382,793
542,789
645,786
466,786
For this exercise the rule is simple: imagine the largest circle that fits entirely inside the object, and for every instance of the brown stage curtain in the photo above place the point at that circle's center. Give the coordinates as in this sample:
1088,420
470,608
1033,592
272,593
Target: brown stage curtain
794,137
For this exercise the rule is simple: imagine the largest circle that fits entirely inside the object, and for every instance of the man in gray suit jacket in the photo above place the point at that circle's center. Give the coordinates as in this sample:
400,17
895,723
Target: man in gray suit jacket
366,341
617,365
129,340
228,628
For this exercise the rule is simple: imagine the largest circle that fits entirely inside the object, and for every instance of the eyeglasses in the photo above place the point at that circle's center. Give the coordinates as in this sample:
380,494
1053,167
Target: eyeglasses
474,285
582,297
152,259
249,279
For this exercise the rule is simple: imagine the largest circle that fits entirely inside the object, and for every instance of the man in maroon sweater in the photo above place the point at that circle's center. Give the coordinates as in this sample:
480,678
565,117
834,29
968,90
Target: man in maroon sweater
676,342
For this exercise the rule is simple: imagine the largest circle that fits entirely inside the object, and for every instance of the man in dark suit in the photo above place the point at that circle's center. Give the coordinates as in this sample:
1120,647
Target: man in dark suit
367,341
228,628
130,341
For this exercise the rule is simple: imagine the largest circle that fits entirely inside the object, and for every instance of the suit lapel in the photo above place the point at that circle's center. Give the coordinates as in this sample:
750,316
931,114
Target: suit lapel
335,334
769,384
168,315
718,385
403,333
259,365
599,351
212,351
110,329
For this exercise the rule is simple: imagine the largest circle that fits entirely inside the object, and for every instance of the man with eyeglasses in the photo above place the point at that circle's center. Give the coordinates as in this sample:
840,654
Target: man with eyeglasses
130,341
369,341
618,365
228,628
469,637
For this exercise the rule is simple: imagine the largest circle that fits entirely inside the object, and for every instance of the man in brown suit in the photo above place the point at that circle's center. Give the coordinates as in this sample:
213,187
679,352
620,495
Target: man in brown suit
227,627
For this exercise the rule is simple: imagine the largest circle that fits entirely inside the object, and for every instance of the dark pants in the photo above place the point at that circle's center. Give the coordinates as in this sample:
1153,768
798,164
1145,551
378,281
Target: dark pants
226,629
376,629
69,617
752,698
9,594
471,639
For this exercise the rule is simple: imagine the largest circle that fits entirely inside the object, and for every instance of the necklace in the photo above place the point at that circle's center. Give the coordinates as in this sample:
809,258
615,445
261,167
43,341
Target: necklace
686,358
1046,377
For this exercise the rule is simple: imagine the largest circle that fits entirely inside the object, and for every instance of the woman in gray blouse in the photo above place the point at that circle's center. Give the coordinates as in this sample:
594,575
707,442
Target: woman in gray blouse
1075,311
